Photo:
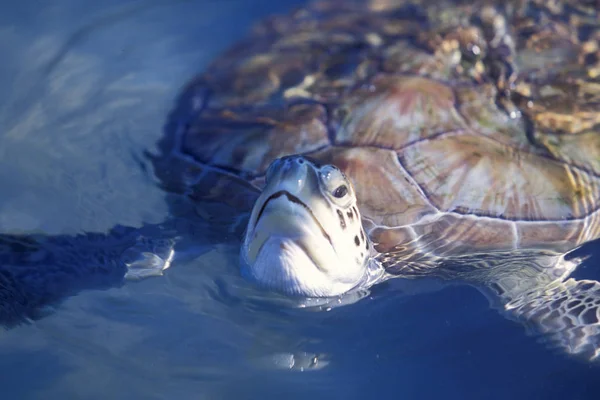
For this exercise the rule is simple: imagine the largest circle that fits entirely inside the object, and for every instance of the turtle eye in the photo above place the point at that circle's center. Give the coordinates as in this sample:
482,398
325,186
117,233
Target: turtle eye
340,191
335,185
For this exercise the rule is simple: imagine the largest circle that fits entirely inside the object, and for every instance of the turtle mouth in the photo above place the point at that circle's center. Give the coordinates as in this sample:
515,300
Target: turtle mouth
295,200
285,219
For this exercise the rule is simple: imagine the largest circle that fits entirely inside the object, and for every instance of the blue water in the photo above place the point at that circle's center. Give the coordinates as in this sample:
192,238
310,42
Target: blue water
86,87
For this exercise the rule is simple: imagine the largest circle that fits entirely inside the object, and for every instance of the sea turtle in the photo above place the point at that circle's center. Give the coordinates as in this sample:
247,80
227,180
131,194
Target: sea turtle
362,140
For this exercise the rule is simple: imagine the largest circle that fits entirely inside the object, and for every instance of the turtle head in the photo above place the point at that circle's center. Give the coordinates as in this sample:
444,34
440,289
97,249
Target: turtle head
305,235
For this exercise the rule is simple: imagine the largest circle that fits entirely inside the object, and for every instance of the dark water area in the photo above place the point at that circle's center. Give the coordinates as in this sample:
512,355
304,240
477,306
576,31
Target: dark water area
86,89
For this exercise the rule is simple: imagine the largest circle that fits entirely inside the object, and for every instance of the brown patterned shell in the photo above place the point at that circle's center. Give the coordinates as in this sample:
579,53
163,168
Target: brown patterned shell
462,125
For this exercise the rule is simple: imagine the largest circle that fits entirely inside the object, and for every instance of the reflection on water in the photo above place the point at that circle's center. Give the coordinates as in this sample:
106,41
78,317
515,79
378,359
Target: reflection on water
85,92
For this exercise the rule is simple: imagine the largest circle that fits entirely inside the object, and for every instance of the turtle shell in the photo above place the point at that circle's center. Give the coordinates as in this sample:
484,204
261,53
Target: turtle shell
462,126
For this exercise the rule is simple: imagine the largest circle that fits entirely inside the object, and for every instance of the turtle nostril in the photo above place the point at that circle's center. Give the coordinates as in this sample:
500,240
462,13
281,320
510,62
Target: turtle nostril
300,161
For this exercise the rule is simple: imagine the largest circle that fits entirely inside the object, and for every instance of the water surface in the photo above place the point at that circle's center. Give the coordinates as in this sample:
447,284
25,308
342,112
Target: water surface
86,87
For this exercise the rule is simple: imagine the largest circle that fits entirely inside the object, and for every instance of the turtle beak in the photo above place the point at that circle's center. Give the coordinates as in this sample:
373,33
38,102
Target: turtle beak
287,176
279,211
287,173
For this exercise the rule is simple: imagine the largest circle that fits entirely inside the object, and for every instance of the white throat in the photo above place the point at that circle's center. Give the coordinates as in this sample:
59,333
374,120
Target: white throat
284,266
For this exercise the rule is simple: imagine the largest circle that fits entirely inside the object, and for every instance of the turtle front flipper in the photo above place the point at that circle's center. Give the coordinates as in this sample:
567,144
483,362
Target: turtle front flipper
567,314
535,289
37,270
532,287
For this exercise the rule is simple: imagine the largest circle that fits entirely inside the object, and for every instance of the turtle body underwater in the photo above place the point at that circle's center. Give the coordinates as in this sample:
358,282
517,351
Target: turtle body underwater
361,141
